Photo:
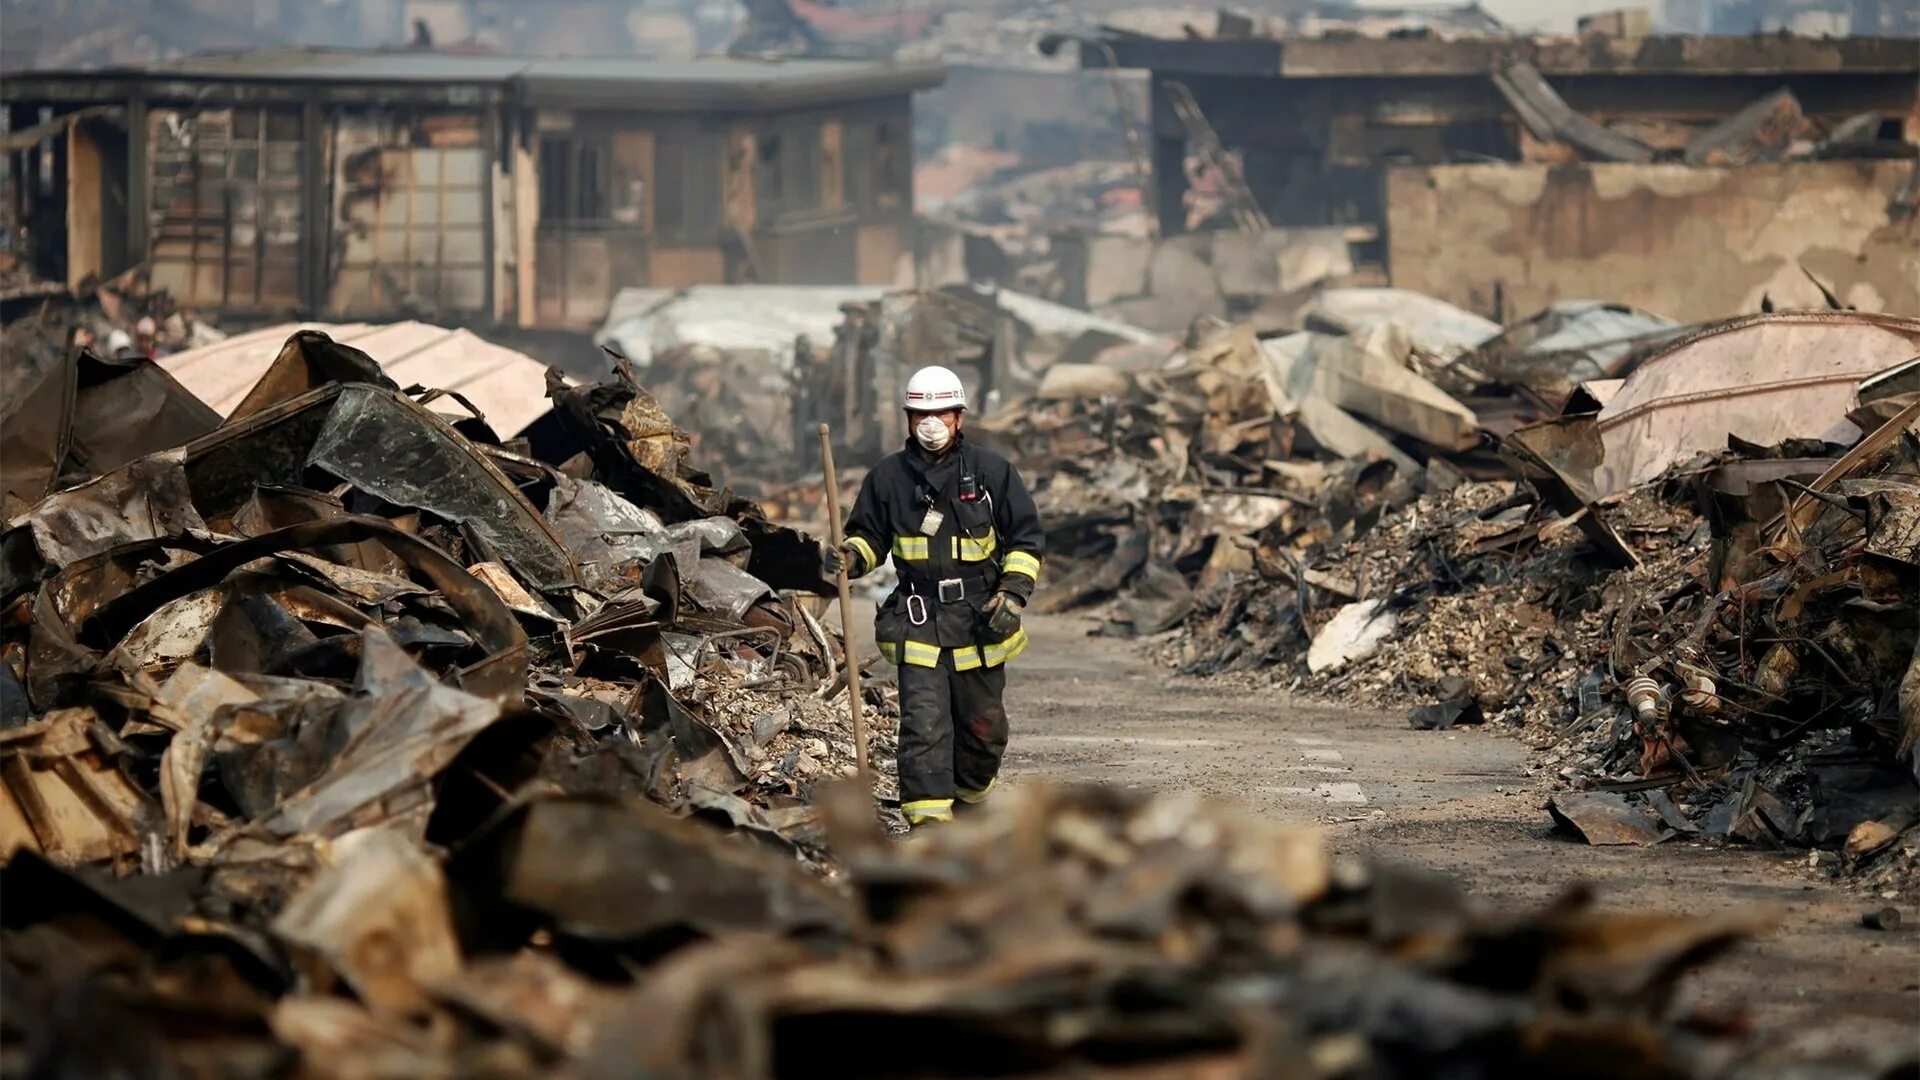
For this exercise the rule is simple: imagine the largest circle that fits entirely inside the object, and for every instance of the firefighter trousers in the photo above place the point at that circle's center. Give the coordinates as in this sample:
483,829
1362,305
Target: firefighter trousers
953,733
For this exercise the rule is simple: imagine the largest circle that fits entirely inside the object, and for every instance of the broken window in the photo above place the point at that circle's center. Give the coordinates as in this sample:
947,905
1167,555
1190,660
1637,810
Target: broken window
787,171
226,206
409,213
574,179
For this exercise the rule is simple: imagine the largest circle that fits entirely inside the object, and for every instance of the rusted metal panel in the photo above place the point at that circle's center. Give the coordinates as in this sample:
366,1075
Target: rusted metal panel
1763,378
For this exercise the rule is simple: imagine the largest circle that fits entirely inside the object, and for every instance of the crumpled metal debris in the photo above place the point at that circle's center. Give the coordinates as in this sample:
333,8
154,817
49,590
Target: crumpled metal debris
1728,651
295,656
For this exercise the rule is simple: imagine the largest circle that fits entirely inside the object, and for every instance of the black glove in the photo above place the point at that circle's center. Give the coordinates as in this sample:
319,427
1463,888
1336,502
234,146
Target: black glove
832,560
1003,614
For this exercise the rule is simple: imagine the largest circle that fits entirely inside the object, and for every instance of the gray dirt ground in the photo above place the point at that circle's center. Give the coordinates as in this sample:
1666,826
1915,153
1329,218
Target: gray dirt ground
1090,708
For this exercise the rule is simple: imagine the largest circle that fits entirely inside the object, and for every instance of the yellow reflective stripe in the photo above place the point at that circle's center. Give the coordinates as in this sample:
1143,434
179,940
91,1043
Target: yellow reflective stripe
966,658
972,796
1002,651
968,549
920,810
1020,562
890,651
920,654
910,547
868,560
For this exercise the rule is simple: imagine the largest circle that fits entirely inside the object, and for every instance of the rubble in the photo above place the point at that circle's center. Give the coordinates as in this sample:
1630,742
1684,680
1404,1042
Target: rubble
1059,931
342,740
301,621
1717,643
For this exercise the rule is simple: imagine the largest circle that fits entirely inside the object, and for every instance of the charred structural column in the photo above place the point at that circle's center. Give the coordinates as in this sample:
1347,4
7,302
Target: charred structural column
139,170
490,158
315,228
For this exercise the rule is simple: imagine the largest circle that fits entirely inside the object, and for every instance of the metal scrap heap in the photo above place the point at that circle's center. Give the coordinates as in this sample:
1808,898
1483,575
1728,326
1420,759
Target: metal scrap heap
1697,601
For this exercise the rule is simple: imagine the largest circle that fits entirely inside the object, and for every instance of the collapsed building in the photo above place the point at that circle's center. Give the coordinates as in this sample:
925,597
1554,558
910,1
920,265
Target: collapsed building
483,189
1505,173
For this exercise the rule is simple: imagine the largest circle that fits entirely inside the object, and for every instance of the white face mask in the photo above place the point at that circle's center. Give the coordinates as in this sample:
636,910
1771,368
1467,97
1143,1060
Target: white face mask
932,433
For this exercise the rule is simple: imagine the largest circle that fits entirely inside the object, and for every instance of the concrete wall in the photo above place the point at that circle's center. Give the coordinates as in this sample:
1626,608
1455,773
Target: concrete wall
1688,243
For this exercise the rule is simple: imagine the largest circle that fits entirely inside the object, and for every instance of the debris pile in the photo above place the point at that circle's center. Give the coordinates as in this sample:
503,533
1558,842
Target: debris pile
1158,477
338,607
1062,931
120,319
1327,532
1773,695
753,370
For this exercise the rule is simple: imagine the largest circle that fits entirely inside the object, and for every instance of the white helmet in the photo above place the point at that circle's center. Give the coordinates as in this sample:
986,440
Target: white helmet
935,389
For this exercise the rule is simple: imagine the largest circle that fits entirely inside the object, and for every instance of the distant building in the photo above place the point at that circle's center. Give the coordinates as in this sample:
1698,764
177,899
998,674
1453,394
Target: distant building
470,188
1316,122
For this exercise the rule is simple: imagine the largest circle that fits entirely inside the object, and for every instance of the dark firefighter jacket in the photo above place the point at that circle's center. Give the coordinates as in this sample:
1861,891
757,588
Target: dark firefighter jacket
988,542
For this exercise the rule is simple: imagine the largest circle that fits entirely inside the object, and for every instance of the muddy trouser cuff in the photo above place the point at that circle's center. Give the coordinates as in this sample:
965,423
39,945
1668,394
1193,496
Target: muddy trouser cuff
953,733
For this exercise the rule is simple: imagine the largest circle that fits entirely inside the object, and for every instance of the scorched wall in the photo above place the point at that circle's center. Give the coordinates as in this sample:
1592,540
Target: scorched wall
1685,242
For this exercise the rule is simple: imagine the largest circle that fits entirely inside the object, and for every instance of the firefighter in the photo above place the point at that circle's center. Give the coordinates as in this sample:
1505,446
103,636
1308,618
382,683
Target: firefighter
965,537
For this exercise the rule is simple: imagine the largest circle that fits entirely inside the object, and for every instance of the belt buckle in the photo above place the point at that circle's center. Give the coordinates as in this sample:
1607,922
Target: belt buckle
959,590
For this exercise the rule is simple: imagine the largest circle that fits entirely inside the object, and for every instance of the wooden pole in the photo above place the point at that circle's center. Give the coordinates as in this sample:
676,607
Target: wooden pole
846,605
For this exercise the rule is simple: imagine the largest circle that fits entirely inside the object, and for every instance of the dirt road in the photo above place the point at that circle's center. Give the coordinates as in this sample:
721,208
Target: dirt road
1089,708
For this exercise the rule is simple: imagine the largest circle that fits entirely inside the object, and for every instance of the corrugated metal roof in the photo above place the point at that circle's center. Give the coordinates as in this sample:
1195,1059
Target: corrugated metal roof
710,82
508,386
767,318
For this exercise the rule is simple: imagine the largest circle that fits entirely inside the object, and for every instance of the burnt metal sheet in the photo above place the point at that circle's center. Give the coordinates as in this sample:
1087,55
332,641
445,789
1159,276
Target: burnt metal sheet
389,446
80,416
124,409
502,672
402,727
505,385
309,360
35,433
145,500
63,793
380,916
718,587
1604,818
1762,378
1758,131
1548,116
612,538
